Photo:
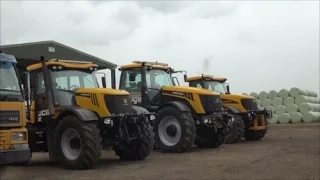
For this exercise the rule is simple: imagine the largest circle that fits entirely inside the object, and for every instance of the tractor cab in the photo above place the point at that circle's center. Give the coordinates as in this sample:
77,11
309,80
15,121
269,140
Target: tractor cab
150,79
212,83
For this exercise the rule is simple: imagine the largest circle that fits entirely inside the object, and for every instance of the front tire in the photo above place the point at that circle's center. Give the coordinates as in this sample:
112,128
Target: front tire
208,138
237,131
174,130
78,143
137,149
251,135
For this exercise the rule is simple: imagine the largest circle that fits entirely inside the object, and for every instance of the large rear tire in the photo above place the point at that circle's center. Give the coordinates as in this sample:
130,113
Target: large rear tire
137,149
78,143
237,131
174,130
251,135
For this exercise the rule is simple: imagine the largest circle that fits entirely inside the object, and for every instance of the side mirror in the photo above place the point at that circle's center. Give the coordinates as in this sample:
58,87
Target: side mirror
103,81
185,77
228,89
132,77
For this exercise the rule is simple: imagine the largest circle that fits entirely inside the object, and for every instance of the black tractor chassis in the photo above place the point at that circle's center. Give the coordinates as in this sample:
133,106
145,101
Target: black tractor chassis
123,128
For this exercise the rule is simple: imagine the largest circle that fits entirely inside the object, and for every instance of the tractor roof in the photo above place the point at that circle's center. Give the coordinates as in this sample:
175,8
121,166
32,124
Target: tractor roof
64,63
207,77
7,58
138,64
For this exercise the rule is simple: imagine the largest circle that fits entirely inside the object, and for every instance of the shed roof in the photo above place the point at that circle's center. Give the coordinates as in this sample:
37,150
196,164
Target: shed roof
29,53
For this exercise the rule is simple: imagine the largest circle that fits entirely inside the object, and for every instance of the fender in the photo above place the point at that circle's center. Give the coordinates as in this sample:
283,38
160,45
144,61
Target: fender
81,113
139,109
179,105
233,109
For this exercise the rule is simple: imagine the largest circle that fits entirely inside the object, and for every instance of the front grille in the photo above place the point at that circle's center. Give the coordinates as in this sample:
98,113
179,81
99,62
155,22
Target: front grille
118,104
4,139
9,117
211,103
249,104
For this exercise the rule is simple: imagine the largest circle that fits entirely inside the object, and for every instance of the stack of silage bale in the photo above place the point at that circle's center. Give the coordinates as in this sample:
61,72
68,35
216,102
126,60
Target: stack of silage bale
290,106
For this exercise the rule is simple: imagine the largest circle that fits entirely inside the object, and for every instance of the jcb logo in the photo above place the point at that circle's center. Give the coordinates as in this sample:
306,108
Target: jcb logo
43,113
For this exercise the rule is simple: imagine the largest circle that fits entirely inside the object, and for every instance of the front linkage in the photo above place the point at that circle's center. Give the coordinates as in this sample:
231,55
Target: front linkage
130,135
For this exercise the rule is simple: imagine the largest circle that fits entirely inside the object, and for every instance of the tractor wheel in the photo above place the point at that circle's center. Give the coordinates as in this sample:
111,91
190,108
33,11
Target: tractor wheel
237,131
78,143
174,130
137,149
251,135
207,138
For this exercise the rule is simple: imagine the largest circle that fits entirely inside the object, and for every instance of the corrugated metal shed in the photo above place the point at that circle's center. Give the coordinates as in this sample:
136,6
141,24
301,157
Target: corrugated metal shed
29,53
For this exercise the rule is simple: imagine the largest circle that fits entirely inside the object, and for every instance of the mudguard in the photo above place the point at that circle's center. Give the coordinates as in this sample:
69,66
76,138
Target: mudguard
81,113
179,105
139,109
232,109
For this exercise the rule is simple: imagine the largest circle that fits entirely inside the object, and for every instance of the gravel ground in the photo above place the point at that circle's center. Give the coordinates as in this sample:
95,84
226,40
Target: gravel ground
287,152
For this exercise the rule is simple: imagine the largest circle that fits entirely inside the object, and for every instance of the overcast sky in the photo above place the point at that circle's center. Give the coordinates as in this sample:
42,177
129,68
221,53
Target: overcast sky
258,46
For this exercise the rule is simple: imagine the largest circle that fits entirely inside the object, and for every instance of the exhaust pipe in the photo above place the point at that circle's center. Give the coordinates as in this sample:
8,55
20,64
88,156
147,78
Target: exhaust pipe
48,85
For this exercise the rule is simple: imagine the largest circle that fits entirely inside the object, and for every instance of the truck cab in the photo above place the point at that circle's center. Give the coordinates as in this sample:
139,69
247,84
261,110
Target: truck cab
14,146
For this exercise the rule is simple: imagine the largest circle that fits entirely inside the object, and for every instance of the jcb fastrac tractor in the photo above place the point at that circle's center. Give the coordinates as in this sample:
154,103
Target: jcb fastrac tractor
73,119
13,133
253,122
184,115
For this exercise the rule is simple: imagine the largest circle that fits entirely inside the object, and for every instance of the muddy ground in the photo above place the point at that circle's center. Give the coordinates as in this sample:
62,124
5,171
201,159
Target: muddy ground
287,152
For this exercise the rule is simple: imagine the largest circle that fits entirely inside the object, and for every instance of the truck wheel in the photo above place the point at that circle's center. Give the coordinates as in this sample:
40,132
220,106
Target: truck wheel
237,131
174,130
251,135
208,138
78,143
137,149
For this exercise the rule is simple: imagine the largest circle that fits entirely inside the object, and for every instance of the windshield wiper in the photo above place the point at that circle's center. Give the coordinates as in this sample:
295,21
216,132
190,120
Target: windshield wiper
2,89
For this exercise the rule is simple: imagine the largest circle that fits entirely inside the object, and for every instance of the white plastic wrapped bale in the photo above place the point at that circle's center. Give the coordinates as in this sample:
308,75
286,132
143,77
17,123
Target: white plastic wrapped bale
281,109
294,92
301,99
313,100
255,95
306,107
296,117
288,100
263,95
283,93
292,108
271,108
266,103
284,118
277,101
309,117
259,103
272,94
274,119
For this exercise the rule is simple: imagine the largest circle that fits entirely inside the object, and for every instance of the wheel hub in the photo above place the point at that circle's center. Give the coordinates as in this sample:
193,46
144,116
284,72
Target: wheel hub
71,144
172,130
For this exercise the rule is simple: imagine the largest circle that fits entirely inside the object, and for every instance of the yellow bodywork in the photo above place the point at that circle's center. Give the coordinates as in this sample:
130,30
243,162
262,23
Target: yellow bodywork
232,100
6,141
85,102
167,90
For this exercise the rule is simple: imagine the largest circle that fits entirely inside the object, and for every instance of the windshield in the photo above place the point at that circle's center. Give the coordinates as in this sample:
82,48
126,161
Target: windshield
70,80
9,83
215,86
158,78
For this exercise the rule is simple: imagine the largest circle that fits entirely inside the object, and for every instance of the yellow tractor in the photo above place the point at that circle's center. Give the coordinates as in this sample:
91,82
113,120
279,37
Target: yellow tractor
73,119
251,120
14,147
184,115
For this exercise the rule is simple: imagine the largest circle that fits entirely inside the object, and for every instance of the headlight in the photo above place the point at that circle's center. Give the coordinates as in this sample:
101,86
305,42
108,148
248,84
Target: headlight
152,117
108,121
18,136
